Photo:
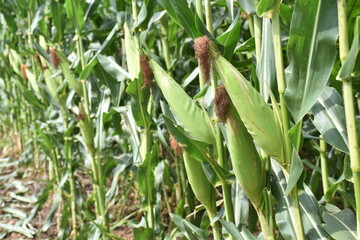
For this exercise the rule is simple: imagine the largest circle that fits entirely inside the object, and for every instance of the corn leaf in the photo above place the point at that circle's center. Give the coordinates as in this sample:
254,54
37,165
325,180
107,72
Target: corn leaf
265,69
296,170
311,215
249,6
284,213
266,8
244,234
198,151
230,38
329,119
311,51
75,13
58,20
188,229
341,225
183,16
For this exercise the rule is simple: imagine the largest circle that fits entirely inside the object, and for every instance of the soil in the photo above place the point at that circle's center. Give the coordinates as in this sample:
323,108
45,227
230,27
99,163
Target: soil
35,182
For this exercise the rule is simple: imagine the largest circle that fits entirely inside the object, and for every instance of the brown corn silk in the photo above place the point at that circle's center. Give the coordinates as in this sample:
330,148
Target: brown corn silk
23,68
202,47
54,58
175,145
146,71
221,102
38,60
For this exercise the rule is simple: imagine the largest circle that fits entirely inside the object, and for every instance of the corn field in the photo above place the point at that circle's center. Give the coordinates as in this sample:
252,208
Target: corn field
180,119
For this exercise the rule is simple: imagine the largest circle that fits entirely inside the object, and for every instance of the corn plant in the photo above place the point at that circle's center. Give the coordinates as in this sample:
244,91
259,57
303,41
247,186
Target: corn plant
175,119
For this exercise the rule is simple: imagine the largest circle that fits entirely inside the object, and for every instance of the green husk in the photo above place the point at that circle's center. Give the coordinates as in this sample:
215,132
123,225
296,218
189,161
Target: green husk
86,129
194,120
245,159
68,74
200,185
256,115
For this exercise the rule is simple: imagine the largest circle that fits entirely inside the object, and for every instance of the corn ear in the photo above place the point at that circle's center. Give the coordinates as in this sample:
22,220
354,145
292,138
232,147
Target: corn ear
245,159
68,74
194,120
53,84
31,77
200,185
256,115
86,129
15,61
132,53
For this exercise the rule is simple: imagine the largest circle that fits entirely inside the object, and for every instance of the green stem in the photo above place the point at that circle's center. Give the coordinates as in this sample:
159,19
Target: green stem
215,226
280,74
208,16
95,161
324,166
134,9
199,9
258,36
178,186
165,42
56,166
98,189
229,209
266,228
349,109
67,149
343,32
251,26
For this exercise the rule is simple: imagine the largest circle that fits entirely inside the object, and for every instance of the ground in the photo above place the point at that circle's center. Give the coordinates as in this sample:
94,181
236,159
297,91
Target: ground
20,187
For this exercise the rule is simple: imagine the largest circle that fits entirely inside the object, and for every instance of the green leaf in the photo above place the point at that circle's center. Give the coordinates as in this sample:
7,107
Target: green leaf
296,137
190,230
196,149
244,234
231,37
38,17
266,8
341,225
247,46
180,12
265,68
296,170
58,20
311,51
75,13
329,119
284,213
311,215
249,6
